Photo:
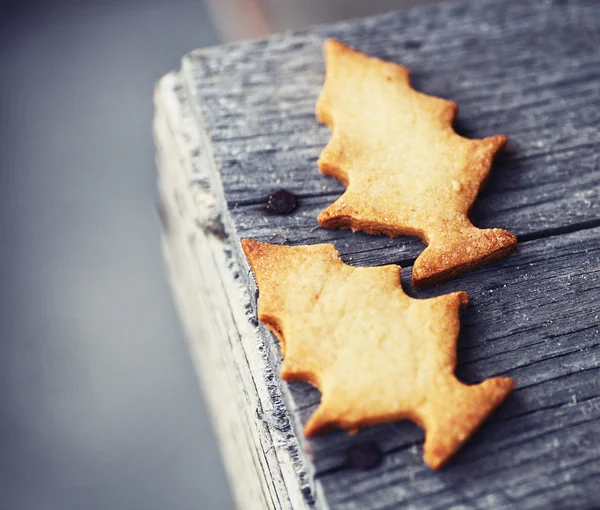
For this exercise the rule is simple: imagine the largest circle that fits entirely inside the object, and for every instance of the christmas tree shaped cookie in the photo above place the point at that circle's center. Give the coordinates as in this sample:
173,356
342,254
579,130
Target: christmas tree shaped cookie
375,354
407,172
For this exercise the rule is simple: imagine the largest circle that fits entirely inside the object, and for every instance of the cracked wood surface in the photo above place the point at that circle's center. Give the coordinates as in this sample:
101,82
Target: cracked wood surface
528,69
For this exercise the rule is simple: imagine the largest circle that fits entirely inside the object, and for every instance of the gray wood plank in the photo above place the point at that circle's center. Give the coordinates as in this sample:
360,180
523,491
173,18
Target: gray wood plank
534,317
528,69
236,366
531,70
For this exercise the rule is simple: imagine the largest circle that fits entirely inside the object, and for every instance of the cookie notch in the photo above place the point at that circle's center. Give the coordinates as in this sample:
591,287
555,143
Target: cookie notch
406,170
376,355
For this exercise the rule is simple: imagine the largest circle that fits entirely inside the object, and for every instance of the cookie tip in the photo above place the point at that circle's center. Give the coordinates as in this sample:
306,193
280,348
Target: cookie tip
468,406
463,298
317,424
467,250
249,245
333,44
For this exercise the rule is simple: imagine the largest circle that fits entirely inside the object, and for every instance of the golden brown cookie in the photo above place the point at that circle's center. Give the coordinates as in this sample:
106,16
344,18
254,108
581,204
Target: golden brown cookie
406,170
375,354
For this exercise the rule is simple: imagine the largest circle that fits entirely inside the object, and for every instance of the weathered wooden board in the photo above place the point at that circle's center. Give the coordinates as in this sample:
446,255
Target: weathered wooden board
534,317
235,365
528,69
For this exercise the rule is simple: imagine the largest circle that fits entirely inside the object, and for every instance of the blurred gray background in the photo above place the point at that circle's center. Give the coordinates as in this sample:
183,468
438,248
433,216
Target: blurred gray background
99,404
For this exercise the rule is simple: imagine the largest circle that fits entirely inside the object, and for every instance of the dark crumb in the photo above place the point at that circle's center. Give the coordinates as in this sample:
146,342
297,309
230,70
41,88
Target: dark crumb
413,45
281,202
364,456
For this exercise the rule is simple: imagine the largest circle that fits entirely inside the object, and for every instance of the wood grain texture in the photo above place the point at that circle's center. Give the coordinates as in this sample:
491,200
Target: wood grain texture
237,367
528,69
534,318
